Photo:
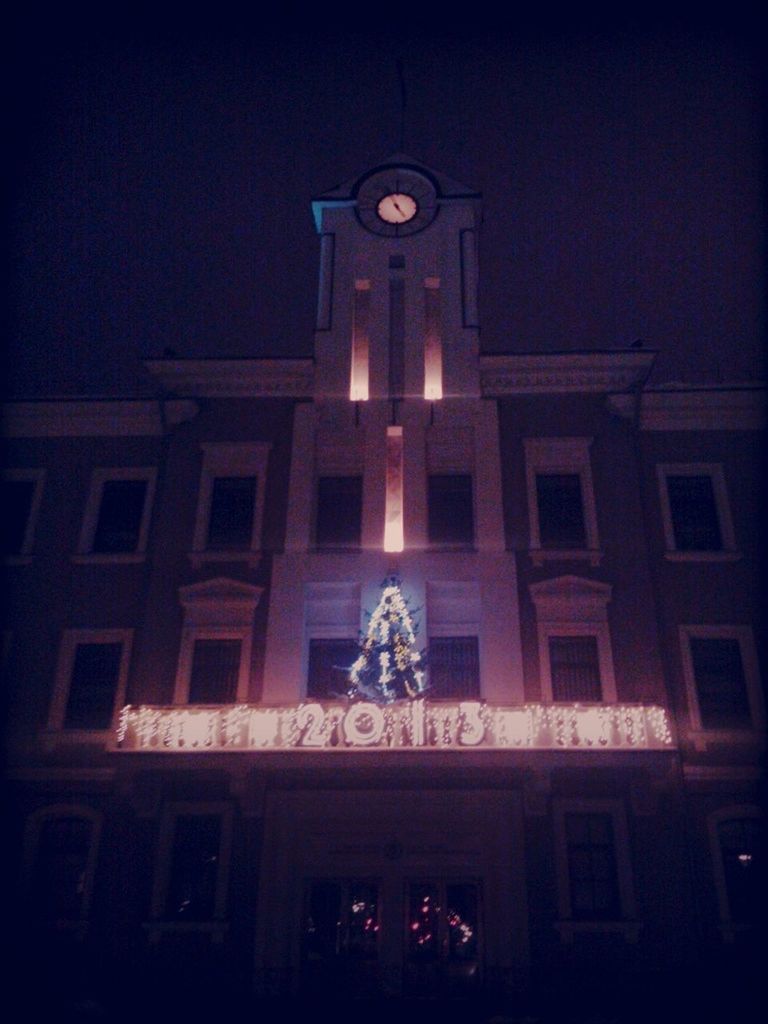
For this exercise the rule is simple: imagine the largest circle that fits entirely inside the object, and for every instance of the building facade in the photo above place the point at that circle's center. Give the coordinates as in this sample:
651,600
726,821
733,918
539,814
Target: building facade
568,813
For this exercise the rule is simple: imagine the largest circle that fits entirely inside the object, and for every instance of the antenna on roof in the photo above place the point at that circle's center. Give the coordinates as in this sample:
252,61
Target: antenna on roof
401,79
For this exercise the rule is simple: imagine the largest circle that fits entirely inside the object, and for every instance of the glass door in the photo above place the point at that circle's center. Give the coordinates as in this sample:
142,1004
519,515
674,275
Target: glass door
442,938
340,937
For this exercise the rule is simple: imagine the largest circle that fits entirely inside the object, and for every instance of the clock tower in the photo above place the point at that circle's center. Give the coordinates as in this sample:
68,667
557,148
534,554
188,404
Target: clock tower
397,309
395,463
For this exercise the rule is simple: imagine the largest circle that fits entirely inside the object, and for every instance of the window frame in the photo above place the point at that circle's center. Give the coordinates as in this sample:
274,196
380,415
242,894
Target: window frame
566,925
442,635
70,641
33,829
230,459
572,606
331,612
217,925
566,455
729,927
37,477
702,736
99,477
218,609
714,470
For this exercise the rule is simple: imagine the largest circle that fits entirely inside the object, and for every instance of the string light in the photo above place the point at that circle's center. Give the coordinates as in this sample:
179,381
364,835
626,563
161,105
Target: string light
402,725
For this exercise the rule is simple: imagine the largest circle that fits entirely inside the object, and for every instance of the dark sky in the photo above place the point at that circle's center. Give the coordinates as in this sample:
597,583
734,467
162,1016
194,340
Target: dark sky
162,183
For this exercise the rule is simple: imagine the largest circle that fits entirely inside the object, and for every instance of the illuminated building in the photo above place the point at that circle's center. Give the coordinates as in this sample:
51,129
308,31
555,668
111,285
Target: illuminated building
570,806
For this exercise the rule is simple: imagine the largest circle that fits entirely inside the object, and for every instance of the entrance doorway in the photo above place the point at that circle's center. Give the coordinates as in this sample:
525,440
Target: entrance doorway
424,932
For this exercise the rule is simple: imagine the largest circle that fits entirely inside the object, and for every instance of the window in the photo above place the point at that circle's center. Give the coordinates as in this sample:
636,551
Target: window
722,678
191,880
230,523
20,501
592,876
216,641
737,838
340,937
339,511
451,520
453,667
695,512
575,658
574,668
90,679
561,510
329,664
116,522
231,503
593,868
60,856
561,501
215,670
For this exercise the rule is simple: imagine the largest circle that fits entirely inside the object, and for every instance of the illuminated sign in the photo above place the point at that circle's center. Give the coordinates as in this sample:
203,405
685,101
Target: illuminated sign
403,725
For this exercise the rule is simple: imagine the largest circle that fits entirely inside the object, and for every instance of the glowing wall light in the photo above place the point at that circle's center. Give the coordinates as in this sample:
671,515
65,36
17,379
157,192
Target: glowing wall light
393,510
433,348
358,383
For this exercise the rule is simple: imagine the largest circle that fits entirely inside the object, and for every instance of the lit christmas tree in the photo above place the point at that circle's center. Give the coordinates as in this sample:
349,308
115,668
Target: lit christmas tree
388,667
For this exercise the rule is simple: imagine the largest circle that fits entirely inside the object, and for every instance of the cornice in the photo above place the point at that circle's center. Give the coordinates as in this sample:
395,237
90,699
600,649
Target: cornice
94,418
563,372
727,408
235,378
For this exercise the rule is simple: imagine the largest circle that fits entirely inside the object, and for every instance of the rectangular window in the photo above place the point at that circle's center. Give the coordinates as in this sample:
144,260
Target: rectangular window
329,665
592,874
16,504
454,667
118,525
339,511
450,515
693,510
561,513
721,686
93,685
230,523
575,668
215,671
561,499
116,520
230,507
695,513
191,893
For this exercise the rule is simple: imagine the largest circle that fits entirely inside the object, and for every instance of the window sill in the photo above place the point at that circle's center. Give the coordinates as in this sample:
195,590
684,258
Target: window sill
216,930
106,558
630,930
199,558
702,556
541,555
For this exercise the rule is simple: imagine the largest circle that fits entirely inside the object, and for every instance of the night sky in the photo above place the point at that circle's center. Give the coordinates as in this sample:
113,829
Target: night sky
161,187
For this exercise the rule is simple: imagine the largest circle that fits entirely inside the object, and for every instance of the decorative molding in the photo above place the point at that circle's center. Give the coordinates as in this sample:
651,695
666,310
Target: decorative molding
236,378
586,372
571,597
94,418
216,594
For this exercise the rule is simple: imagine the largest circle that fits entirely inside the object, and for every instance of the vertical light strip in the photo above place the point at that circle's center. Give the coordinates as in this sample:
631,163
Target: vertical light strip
358,382
393,510
433,347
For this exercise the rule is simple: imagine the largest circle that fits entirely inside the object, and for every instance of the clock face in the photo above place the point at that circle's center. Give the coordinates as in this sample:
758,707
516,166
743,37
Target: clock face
397,208
396,201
